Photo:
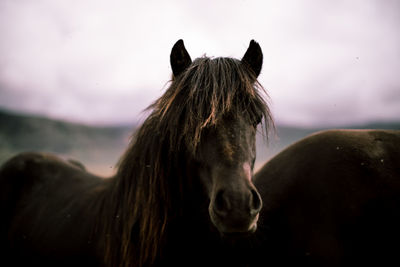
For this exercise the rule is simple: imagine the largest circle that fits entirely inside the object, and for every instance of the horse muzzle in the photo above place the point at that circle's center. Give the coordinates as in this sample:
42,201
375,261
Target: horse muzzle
235,211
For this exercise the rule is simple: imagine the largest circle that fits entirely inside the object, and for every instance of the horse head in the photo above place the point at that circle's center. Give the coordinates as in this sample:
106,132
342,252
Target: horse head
223,108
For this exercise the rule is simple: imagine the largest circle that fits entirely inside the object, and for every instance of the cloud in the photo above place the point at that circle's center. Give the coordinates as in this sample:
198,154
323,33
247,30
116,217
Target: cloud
105,61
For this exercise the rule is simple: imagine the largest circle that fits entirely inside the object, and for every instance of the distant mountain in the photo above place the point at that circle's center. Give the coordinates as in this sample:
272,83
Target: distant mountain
99,148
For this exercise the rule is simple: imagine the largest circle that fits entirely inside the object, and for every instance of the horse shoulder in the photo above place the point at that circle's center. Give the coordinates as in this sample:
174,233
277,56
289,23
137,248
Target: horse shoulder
338,149
342,164
46,199
333,193
25,170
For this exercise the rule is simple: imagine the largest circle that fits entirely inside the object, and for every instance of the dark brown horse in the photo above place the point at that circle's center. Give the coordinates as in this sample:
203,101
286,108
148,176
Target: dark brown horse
332,199
185,181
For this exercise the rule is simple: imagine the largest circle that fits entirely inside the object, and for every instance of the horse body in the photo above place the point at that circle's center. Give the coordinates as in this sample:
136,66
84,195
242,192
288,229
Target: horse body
52,207
332,199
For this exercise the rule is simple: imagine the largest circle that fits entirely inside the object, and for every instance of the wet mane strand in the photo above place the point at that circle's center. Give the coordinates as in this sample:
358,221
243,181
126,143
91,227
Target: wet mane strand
150,172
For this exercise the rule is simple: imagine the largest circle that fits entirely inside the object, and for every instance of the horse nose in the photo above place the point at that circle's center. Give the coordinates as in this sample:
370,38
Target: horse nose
222,204
255,202
230,202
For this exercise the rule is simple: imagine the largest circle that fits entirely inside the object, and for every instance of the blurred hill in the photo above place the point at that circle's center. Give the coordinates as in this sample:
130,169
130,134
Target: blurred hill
99,148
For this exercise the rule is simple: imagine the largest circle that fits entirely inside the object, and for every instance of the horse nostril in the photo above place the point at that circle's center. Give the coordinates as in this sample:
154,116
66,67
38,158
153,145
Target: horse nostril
255,202
221,203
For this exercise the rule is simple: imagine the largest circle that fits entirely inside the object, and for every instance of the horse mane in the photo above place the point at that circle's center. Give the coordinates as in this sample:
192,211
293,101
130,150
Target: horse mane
150,176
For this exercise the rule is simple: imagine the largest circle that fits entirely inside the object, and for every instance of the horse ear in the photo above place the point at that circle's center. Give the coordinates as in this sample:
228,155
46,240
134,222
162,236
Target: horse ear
253,57
180,58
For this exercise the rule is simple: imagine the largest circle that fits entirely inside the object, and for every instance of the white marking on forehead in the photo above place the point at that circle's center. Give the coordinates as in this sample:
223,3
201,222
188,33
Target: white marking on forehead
247,170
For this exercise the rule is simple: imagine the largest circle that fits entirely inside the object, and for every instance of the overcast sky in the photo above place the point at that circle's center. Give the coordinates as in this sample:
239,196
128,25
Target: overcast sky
103,62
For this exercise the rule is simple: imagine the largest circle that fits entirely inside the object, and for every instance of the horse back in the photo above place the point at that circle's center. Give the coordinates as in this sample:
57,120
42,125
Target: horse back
50,209
333,199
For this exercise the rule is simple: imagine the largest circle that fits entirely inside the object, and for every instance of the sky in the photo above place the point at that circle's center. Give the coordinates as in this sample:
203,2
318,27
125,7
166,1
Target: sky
103,62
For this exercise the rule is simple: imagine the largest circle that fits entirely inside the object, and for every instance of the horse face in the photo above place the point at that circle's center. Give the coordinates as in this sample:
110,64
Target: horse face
226,156
220,105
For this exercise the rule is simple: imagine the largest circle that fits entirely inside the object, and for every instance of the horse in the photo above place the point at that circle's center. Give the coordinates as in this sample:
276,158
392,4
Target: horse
331,199
182,188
